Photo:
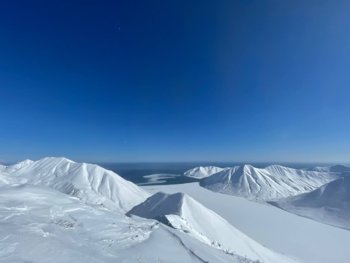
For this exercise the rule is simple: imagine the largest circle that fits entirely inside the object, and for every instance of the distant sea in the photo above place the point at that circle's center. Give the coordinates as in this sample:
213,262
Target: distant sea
171,173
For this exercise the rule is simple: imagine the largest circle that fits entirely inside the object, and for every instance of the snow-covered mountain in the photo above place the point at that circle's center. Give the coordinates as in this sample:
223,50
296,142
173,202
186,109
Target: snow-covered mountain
42,225
182,212
339,168
90,183
17,166
58,210
269,183
328,204
202,171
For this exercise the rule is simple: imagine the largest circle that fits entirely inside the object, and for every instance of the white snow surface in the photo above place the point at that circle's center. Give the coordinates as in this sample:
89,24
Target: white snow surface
202,171
41,225
329,204
182,212
339,168
90,183
57,210
15,167
269,183
297,237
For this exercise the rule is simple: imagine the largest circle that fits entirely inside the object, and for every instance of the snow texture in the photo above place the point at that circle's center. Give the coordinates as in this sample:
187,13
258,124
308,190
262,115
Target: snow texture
329,204
297,237
202,171
90,183
182,212
270,183
42,225
57,210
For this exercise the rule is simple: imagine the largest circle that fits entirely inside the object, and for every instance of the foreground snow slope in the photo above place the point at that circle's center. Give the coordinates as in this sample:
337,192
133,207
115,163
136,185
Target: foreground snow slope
268,183
329,204
202,171
91,183
182,212
42,225
297,237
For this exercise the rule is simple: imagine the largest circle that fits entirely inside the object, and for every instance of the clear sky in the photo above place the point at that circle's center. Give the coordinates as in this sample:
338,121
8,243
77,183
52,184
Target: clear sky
175,80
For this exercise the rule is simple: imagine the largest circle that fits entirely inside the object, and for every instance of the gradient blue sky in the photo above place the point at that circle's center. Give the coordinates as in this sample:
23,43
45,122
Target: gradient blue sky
175,80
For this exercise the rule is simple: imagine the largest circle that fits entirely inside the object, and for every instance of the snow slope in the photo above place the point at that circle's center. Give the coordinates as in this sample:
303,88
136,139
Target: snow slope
41,225
12,168
340,168
5,172
298,237
269,183
202,171
182,212
56,210
329,204
91,183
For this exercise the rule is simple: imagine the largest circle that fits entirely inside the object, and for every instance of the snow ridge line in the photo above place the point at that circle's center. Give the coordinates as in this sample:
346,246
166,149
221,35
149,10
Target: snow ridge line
190,251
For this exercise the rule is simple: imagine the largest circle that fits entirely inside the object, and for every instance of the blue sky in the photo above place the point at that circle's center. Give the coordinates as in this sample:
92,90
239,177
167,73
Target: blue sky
175,80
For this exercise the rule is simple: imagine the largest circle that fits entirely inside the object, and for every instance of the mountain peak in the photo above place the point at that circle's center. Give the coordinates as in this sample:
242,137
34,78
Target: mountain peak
53,159
202,171
246,168
182,212
267,183
89,182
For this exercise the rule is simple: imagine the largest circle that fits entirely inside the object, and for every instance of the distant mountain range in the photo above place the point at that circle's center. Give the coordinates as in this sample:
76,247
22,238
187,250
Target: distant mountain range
61,194
269,183
58,204
320,193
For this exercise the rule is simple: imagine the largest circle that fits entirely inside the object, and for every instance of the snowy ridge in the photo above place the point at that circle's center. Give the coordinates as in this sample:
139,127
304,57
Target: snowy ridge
202,171
269,183
11,168
43,225
329,204
6,170
90,183
298,237
339,168
182,212
18,166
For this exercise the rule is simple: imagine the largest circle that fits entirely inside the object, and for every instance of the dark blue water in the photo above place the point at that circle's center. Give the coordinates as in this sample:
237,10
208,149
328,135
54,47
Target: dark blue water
135,172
